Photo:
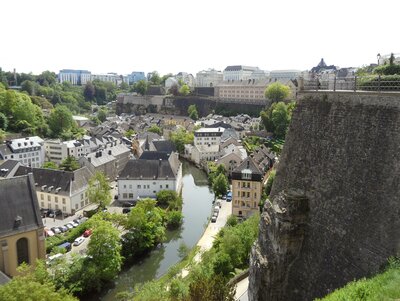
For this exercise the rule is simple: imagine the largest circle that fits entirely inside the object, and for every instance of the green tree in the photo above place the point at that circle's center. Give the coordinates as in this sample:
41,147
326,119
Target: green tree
276,118
102,115
2,136
155,78
192,111
29,87
155,129
277,92
33,284
211,288
3,121
60,120
47,78
89,91
69,164
145,229
220,185
141,87
99,190
104,248
129,133
169,199
184,90
50,165
180,138
280,119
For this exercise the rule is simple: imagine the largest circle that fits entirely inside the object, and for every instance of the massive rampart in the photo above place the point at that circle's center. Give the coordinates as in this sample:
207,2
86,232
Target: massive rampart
334,214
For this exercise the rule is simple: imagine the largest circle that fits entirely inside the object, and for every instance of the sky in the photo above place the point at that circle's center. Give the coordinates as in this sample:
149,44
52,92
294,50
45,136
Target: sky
172,36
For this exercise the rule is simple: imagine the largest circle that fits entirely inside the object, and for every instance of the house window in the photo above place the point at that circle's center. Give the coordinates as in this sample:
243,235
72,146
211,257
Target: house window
56,207
166,186
63,201
255,194
81,196
42,196
124,186
131,195
82,203
64,209
22,250
160,186
56,199
139,187
42,204
124,195
49,198
49,205
76,206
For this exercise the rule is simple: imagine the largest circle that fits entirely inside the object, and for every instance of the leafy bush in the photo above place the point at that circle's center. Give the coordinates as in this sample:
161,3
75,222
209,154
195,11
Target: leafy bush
173,219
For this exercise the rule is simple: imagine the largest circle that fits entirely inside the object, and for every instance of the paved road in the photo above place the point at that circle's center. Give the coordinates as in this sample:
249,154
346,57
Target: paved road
206,241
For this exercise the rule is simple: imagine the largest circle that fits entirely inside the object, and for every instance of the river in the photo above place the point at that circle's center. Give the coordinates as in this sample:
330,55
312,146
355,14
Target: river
197,201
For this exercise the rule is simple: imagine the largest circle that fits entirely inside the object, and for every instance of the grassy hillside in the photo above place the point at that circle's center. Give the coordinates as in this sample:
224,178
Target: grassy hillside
382,287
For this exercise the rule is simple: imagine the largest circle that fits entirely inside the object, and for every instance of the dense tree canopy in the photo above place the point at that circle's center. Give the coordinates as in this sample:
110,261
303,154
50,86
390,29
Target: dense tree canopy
277,117
99,190
69,164
220,184
180,138
33,284
277,92
60,120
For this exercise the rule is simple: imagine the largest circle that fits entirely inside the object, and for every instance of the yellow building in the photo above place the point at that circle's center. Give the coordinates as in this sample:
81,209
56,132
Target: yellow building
21,226
247,184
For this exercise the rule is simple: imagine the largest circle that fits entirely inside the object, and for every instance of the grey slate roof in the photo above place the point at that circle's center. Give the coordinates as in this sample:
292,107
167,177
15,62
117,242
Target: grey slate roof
142,169
240,67
150,155
8,168
69,182
164,146
18,201
248,163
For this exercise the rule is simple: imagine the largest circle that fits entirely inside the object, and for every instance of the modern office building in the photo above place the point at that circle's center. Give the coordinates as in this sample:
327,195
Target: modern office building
75,77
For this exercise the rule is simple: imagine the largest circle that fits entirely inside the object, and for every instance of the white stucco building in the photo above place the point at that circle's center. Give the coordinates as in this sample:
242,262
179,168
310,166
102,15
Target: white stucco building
28,151
208,78
238,72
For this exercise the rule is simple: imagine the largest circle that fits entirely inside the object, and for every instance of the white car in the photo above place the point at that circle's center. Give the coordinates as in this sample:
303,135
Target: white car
69,226
73,224
78,241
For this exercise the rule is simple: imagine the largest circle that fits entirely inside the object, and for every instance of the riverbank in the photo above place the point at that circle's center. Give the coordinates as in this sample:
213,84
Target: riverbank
206,241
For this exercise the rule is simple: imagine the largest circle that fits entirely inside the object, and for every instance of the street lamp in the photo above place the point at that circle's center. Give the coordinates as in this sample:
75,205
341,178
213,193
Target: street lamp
378,56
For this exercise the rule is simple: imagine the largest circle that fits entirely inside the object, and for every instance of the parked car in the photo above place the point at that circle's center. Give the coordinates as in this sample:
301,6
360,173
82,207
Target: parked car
87,233
215,214
54,213
79,240
229,196
66,246
77,221
56,230
73,224
213,219
216,209
53,258
224,197
126,210
63,228
218,204
69,226
44,212
128,204
48,233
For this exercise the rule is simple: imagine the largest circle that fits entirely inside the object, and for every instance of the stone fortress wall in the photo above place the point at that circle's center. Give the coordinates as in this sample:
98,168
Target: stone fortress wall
335,211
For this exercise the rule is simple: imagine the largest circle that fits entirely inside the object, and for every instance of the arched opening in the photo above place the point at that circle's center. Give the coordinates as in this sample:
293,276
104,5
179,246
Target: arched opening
22,250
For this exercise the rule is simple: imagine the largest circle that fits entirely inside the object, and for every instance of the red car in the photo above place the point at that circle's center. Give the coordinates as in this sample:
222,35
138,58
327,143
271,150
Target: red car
87,233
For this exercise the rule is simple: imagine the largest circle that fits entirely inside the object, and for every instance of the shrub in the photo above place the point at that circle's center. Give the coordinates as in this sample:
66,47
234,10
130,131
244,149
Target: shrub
174,219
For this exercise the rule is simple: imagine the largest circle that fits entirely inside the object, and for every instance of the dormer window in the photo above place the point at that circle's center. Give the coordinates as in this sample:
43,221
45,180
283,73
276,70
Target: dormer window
246,174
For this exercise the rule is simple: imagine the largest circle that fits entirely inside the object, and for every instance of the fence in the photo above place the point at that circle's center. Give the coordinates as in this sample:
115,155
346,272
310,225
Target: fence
355,83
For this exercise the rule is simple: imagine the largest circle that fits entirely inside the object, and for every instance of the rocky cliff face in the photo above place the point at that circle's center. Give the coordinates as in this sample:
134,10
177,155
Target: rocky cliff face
334,214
